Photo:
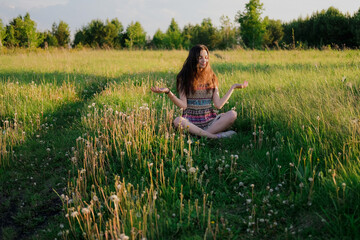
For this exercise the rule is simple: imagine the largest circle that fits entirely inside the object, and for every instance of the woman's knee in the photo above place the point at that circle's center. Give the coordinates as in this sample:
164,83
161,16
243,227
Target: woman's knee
232,115
177,121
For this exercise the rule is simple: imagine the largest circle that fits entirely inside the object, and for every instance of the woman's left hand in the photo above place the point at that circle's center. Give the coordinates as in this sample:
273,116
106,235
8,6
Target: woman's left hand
244,85
160,90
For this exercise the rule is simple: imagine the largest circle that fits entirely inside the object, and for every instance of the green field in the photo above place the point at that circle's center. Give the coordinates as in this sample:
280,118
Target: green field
87,151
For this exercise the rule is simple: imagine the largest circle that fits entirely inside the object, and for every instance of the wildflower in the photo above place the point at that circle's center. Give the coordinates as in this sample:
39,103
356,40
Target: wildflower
310,179
93,104
95,198
206,167
236,157
122,153
252,185
343,185
291,164
318,118
192,170
186,151
189,141
48,149
114,198
248,201
74,214
85,210
123,237
267,153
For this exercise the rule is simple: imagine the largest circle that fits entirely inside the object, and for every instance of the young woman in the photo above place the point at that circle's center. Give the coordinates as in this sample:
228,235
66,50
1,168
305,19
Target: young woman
197,86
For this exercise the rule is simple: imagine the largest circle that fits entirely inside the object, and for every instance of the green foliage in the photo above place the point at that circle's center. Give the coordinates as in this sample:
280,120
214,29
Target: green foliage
47,39
326,28
173,38
135,36
227,34
252,27
21,32
158,41
205,34
355,29
97,34
274,32
2,33
61,32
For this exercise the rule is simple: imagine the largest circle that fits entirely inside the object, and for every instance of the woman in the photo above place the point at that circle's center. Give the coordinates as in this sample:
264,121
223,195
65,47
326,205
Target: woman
197,86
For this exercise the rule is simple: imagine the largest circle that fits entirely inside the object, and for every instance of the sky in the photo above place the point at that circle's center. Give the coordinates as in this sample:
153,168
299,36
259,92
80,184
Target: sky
157,14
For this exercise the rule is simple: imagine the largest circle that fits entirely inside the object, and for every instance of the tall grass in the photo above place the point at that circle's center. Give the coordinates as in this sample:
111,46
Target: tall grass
292,170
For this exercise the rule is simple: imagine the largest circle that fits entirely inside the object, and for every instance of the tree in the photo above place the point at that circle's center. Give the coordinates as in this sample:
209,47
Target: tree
274,32
61,32
114,33
158,40
252,28
187,35
227,34
135,36
47,39
2,33
205,34
21,32
355,28
173,38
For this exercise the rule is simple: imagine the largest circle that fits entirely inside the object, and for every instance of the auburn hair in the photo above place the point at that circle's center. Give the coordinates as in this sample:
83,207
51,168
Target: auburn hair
192,76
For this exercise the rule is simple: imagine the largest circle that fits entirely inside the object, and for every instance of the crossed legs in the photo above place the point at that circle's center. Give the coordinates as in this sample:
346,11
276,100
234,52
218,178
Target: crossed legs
225,122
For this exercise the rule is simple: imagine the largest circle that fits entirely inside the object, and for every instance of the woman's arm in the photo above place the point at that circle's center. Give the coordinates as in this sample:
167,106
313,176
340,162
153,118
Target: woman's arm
220,102
181,103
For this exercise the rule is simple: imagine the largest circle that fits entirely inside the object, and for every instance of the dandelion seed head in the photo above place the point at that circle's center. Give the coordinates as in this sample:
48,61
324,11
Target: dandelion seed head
85,211
114,198
74,214
192,170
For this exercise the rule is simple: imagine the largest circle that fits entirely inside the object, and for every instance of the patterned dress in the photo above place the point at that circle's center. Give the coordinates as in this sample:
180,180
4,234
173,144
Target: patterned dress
199,109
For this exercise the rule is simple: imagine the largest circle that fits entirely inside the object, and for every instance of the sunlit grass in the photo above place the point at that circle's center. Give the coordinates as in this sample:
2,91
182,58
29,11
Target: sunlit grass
292,169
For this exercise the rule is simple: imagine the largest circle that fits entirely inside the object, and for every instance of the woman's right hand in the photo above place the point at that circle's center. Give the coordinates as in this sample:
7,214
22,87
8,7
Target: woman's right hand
159,90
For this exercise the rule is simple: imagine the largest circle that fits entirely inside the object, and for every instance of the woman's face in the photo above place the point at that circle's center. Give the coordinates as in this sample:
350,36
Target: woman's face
203,59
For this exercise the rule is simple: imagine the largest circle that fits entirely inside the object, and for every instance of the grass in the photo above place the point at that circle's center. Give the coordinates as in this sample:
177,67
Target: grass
88,152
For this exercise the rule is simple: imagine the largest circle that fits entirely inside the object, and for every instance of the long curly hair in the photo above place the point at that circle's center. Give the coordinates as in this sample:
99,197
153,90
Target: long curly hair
191,75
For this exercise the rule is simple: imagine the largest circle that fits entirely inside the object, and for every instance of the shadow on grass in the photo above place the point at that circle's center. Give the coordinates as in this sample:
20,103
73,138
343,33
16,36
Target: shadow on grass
29,205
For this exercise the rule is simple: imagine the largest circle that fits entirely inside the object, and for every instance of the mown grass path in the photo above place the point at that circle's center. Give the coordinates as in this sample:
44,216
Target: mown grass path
30,205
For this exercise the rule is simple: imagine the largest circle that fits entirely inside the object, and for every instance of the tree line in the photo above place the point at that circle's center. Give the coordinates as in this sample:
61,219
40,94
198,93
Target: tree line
249,30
